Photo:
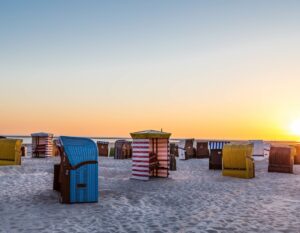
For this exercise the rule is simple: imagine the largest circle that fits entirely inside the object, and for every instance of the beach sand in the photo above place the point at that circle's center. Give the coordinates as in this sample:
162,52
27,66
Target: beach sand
193,199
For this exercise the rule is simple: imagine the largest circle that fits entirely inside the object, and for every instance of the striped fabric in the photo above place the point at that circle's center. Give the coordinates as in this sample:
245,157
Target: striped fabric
140,159
141,149
217,145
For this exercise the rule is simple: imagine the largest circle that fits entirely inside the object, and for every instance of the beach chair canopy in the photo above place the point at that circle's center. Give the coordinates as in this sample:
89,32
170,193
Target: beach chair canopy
149,134
79,150
217,145
42,134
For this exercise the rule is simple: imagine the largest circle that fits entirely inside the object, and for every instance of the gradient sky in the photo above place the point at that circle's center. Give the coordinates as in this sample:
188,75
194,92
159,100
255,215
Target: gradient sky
203,69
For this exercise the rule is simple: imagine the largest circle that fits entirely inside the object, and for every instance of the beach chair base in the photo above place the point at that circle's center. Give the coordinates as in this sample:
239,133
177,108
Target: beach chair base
56,184
280,169
238,173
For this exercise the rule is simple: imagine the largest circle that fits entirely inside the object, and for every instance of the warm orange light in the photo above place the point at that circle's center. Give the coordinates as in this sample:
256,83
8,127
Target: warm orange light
295,127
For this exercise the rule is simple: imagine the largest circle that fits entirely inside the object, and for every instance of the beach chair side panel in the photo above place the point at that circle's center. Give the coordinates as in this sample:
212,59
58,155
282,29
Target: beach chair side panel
140,159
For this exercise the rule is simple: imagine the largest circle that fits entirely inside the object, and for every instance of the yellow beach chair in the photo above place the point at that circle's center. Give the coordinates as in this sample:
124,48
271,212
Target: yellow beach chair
238,161
10,152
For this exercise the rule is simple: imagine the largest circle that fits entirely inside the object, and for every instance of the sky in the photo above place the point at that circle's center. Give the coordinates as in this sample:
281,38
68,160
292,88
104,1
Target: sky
215,69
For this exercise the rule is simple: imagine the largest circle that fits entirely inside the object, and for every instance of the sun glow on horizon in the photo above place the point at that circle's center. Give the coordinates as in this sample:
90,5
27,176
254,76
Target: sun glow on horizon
295,128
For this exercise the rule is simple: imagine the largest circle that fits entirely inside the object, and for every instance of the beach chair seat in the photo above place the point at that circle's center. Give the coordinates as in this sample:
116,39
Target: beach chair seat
153,164
281,159
215,156
215,159
238,161
10,152
78,175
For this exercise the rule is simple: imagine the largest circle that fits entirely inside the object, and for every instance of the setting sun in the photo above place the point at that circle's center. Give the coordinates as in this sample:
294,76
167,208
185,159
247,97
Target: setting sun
295,127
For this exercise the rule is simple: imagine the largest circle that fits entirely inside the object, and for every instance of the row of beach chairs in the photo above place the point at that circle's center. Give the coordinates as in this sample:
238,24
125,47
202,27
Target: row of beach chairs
76,177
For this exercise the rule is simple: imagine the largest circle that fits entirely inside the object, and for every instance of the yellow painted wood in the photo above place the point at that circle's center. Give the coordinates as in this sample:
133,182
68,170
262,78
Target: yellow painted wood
10,152
238,161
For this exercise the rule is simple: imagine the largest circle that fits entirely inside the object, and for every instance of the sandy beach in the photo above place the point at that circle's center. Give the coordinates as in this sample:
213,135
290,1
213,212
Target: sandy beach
193,199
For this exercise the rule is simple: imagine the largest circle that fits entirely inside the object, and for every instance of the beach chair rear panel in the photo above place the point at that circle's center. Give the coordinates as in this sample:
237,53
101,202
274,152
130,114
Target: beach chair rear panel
84,179
280,156
234,157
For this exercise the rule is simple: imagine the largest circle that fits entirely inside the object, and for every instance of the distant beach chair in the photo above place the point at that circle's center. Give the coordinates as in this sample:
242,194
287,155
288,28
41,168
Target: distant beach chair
281,159
238,161
102,148
215,155
56,145
181,150
189,148
174,149
42,145
297,155
202,151
150,154
186,149
173,163
123,149
10,152
78,174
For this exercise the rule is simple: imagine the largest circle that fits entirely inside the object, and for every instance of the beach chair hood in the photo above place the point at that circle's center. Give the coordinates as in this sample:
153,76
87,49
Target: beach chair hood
79,150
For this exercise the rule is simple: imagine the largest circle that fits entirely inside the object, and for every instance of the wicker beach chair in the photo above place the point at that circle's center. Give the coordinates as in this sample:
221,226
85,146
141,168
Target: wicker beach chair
174,149
297,156
189,148
78,175
281,159
122,149
172,162
102,148
10,152
238,161
215,156
202,151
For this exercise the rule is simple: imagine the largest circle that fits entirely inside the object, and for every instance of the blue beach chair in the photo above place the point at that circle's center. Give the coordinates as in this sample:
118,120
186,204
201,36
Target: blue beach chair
78,175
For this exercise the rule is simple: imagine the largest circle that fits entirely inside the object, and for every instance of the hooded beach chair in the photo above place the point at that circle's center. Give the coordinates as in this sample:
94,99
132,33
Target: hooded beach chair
78,175
123,149
215,156
202,151
281,159
238,161
10,151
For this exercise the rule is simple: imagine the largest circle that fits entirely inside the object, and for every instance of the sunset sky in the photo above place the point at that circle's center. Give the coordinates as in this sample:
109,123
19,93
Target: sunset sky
202,69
